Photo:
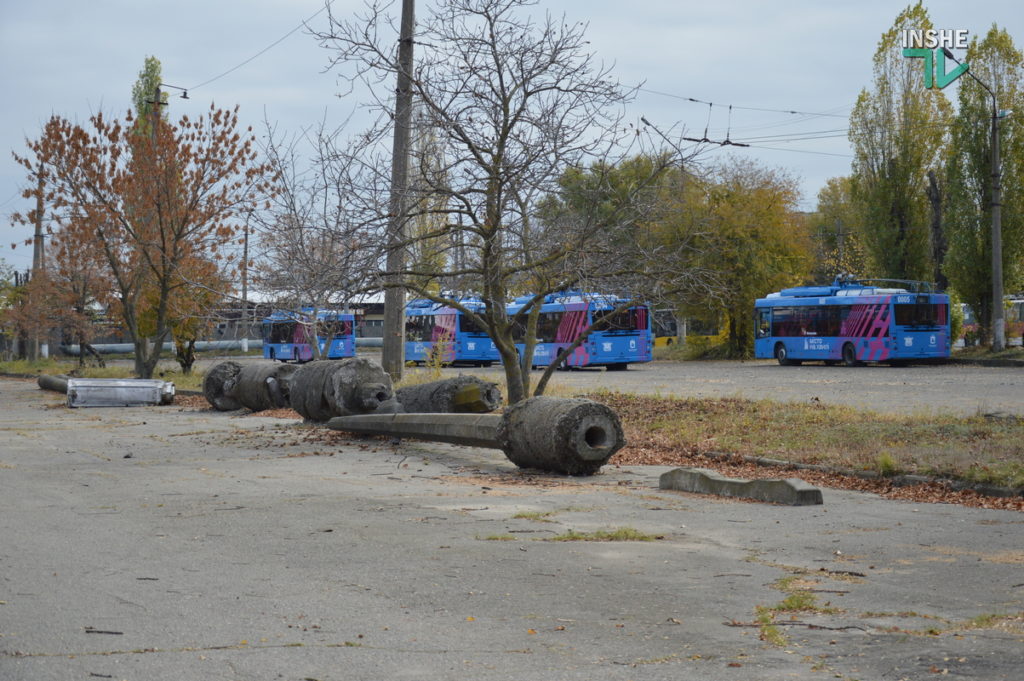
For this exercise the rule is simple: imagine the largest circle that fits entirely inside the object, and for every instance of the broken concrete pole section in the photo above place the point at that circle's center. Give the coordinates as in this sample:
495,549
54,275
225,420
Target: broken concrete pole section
324,389
55,383
263,385
472,430
218,380
257,385
462,394
569,436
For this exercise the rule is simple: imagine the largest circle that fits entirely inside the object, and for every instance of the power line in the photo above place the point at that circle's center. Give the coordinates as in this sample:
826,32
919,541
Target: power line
835,132
744,108
801,151
267,48
16,194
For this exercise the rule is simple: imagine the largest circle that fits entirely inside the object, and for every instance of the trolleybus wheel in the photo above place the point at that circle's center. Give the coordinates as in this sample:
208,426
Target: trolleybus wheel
782,356
850,355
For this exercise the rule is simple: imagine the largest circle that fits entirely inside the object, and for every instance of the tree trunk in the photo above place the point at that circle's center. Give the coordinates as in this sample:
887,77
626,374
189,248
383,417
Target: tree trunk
185,353
141,353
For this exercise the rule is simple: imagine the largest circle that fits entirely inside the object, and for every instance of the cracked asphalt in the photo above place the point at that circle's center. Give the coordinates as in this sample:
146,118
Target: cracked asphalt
166,543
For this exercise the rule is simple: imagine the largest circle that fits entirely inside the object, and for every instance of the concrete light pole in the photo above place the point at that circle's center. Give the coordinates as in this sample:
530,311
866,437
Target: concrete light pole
393,351
40,346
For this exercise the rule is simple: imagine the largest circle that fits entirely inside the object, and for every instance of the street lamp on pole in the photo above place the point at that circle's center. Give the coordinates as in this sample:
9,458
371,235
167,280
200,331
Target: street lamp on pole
998,321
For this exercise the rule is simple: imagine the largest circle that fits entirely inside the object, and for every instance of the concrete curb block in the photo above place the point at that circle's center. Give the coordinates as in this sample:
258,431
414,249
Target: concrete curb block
791,491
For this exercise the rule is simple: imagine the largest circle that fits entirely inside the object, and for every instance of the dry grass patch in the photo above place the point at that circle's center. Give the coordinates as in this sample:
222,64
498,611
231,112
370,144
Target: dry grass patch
666,431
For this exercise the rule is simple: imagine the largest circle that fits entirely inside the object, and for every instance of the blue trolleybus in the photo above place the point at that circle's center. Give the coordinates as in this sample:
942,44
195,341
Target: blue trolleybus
623,338
853,321
287,336
434,332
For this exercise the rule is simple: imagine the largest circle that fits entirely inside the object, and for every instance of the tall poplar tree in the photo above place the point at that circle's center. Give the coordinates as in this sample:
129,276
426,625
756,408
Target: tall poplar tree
1000,65
897,129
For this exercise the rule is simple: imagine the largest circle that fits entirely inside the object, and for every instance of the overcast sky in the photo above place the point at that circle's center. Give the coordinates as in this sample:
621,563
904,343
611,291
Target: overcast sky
76,58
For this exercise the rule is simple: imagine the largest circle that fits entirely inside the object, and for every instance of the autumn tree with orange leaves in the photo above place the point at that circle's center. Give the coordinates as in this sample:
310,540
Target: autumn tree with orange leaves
157,201
67,294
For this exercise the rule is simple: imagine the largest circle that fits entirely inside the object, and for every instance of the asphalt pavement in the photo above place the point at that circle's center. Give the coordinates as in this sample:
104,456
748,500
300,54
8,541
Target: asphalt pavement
169,543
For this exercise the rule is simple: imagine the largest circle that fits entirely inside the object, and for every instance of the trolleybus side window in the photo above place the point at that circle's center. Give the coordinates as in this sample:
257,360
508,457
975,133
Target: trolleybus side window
822,320
764,322
282,332
419,328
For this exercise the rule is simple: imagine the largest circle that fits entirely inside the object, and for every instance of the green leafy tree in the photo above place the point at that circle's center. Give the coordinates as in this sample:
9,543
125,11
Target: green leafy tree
755,241
431,243
898,131
998,63
144,94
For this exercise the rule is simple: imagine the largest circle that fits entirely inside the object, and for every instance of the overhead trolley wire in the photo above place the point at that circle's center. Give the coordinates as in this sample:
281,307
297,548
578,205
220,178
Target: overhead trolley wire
744,108
267,48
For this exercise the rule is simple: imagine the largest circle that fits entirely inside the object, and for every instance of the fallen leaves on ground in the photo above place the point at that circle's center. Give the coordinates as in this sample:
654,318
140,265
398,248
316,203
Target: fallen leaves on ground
645,446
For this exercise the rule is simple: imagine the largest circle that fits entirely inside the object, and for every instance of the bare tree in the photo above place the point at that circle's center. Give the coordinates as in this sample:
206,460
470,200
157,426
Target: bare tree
512,100
311,253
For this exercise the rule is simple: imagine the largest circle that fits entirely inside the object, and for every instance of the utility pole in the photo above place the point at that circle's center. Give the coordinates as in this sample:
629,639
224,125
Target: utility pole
393,352
39,346
998,320
245,285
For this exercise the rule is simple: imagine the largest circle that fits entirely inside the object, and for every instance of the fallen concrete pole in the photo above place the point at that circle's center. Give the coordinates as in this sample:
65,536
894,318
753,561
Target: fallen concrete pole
569,436
324,389
55,383
262,386
462,394
217,384
257,386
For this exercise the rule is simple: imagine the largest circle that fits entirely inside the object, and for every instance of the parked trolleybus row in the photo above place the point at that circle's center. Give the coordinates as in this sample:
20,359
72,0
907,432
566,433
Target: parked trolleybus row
434,332
850,321
622,338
